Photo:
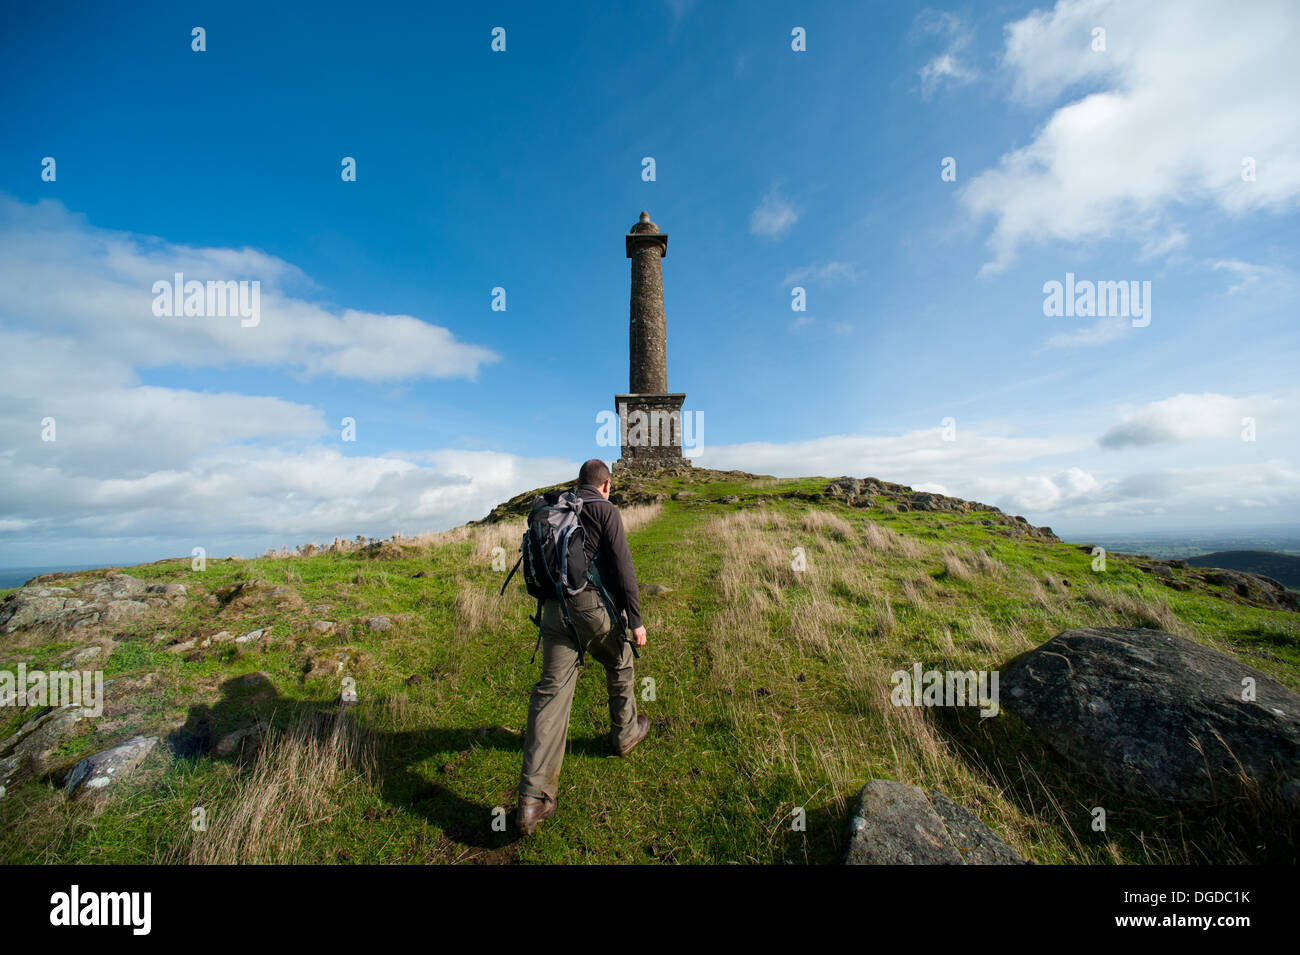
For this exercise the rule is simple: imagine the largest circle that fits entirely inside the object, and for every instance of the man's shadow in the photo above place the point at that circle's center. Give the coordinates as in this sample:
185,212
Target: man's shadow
252,700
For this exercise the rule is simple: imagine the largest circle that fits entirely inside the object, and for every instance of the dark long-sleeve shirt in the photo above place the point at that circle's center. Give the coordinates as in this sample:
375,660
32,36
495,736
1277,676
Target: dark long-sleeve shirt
607,545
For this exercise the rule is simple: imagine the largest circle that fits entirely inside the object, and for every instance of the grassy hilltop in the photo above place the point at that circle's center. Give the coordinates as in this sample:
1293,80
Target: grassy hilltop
771,692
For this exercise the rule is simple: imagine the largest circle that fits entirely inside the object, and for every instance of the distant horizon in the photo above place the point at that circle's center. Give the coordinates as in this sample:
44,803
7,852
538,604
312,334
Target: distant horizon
1266,537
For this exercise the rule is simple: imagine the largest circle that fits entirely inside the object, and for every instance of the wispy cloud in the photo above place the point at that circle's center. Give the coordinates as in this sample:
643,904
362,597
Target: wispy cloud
807,322
1245,275
1105,330
948,68
773,217
827,273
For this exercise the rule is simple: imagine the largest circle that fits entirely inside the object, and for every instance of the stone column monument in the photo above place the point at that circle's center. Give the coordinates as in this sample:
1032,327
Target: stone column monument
650,416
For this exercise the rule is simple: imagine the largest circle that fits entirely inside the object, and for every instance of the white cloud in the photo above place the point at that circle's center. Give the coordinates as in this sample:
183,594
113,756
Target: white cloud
807,321
1189,417
915,456
1245,274
1068,478
828,273
946,68
245,500
139,470
1159,121
64,277
1105,330
772,217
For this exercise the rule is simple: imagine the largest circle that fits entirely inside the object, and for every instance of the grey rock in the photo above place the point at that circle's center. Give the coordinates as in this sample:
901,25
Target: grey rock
322,626
898,824
231,743
81,657
117,598
1156,715
1253,588
117,587
379,623
23,754
117,611
173,592
104,768
251,637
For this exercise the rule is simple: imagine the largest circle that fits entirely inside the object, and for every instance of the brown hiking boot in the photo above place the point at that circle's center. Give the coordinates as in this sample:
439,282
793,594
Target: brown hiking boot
531,813
642,729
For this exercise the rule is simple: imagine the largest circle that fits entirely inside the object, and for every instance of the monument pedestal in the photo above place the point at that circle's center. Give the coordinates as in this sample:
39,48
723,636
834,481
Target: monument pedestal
650,430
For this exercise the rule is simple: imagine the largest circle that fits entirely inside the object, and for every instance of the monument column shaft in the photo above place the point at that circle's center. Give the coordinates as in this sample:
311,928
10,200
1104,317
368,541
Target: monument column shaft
648,332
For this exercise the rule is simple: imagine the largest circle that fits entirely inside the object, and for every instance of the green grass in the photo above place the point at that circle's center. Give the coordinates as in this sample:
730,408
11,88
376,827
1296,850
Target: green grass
756,711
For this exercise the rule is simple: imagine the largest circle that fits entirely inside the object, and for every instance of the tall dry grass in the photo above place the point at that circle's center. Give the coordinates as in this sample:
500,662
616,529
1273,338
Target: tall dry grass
881,538
828,524
954,566
1114,607
775,622
637,516
266,809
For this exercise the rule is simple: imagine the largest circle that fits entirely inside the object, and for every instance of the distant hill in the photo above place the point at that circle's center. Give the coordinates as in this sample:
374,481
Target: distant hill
1284,568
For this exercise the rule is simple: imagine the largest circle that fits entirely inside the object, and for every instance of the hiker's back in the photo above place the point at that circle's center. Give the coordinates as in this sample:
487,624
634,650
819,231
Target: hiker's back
577,563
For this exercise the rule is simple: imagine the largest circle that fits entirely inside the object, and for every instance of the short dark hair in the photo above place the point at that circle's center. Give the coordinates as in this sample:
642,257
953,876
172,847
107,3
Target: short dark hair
594,472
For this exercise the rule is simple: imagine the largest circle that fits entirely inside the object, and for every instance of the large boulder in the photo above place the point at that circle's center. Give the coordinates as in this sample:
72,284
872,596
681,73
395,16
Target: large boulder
103,769
897,824
1153,714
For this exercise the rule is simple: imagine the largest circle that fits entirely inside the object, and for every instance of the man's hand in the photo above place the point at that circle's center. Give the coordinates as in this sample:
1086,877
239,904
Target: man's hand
638,637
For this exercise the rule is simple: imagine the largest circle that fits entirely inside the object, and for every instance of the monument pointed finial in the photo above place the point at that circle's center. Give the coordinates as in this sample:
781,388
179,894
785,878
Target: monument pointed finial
645,216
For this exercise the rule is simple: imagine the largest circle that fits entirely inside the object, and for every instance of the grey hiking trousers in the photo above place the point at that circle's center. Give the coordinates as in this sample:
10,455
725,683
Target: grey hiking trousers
552,697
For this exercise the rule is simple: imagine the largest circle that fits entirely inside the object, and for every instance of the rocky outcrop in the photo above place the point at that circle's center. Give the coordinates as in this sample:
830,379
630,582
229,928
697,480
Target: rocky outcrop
897,824
1253,588
23,755
1156,715
114,599
868,492
256,594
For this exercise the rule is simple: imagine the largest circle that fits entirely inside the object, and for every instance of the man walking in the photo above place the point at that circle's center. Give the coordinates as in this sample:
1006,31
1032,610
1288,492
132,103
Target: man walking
602,638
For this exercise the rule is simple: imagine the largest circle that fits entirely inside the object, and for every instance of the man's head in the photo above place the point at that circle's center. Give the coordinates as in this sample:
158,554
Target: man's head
595,473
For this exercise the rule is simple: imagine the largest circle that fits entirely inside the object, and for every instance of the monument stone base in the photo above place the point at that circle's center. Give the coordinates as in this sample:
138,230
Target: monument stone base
650,430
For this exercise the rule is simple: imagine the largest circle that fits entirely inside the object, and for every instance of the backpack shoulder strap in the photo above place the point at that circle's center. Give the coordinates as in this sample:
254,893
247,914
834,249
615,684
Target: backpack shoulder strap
512,573
615,618
537,619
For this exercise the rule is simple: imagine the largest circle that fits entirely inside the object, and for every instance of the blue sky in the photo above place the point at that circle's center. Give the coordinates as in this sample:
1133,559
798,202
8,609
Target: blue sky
522,169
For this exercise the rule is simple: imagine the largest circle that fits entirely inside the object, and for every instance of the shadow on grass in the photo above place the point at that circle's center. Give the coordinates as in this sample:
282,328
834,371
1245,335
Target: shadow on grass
253,699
